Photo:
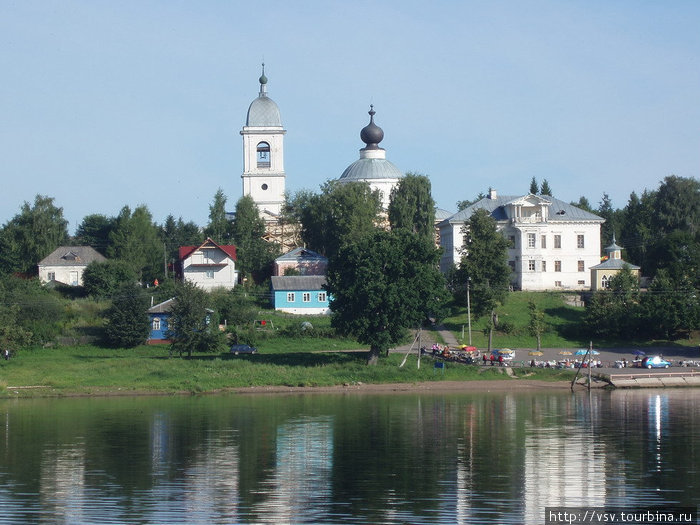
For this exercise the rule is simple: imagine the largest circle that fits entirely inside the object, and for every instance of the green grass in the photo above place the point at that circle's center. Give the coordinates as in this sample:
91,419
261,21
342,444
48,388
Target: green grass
88,370
564,325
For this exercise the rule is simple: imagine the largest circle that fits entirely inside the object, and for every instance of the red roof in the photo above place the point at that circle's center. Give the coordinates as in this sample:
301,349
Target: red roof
185,251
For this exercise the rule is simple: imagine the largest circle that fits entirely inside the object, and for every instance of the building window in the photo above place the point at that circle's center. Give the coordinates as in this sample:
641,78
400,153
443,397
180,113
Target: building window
209,274
511,241
306,297
531,266
156,323
557,266
321,297
557,284
544,266
263,155
604,282
581,283
290,297
580,242
52,276
543,240
531,240
557,241
581,266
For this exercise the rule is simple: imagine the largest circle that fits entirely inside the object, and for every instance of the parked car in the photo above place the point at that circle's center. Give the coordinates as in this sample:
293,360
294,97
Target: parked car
243,349
655,362
507,353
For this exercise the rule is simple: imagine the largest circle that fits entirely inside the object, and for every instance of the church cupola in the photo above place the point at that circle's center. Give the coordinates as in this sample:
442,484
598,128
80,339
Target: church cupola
372,134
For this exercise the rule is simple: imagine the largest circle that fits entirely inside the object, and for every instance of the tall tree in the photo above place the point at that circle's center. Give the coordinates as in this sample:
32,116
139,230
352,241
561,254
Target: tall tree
545,189
584,204
94,231
127,320
255,254
463,205
636,229
678,205
341,213
175,233
611,225
412,206
31,235
104,279
670,306
382,284
134,240
484,264
534,188
191,326
536,326
615,312
219,228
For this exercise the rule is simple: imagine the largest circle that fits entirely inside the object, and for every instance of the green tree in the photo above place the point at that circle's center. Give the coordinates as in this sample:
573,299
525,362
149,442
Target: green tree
127,318
615,312
255,254
340,214
537,325
534,188
584,204
94,231
176,233
412,206
636,230
670,307
463,205
612,218
545,189
484,265
103,279
135,241
677,205
219,228
192,327
381,285
31,235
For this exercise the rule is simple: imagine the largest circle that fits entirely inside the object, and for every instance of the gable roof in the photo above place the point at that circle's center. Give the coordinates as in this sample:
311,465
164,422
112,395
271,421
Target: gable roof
559,211
163,307
614,264
72,256
185,251
297,282
301,254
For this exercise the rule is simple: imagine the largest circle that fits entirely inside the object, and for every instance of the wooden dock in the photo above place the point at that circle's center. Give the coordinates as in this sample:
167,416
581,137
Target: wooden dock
648,379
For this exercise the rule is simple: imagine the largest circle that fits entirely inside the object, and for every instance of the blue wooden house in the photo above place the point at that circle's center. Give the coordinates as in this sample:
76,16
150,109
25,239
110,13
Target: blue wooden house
159,315
300,294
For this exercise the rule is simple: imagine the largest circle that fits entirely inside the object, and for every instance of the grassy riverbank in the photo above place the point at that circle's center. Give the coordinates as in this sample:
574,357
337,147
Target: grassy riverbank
88,370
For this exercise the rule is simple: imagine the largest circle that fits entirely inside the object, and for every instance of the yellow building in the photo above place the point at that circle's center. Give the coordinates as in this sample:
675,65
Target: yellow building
603,272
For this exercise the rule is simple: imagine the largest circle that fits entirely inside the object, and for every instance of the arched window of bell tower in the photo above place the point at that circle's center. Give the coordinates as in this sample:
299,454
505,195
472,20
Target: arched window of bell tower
263,155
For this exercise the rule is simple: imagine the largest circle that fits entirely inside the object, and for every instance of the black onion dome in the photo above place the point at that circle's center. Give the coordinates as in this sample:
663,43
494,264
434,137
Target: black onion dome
372,134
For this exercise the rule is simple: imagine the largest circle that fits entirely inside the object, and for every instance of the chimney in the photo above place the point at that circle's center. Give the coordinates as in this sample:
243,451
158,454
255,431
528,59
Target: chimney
492,194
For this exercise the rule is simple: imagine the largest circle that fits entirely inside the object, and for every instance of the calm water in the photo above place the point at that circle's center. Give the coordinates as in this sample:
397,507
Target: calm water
466,458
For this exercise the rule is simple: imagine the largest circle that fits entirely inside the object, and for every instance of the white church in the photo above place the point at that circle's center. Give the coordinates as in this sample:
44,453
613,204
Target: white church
553,244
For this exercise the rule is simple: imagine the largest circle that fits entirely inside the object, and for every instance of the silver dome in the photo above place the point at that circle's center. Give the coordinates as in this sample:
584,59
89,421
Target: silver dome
367,169
263,111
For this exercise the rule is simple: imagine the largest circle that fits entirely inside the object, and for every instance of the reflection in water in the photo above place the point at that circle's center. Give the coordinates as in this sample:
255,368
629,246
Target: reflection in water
458,458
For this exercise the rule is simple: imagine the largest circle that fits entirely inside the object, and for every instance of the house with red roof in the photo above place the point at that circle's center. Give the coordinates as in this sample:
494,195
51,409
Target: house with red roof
209,265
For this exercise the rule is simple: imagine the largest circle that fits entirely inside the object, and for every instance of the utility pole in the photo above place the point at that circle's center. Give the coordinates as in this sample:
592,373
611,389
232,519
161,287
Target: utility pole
469,312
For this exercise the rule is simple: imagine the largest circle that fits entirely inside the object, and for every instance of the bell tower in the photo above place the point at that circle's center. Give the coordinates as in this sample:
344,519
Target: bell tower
263,154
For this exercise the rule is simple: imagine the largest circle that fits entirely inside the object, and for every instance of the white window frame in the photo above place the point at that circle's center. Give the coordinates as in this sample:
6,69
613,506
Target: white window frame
544,266
291,297
531,240
306,297
322,297
580,241
531,265
557,241
209,274
557,266
543,240
156,323
582,266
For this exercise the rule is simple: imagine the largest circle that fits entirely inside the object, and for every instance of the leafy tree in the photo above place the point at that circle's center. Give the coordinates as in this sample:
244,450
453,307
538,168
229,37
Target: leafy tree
677,205
382,284
670,306
679,253
135,241
534,188
545,189
94,231
219,228
412,206
583,204
255,254
612,218
175,233
615,312
191,326
536,326
340,214
463,205
127,318
484,265
636,231
235,308
103,279
31,235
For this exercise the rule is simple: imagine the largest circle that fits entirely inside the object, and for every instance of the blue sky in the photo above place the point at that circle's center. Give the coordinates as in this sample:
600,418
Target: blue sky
106,104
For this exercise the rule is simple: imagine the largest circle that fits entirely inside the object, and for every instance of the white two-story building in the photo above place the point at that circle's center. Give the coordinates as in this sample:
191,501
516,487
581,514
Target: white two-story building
552,244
